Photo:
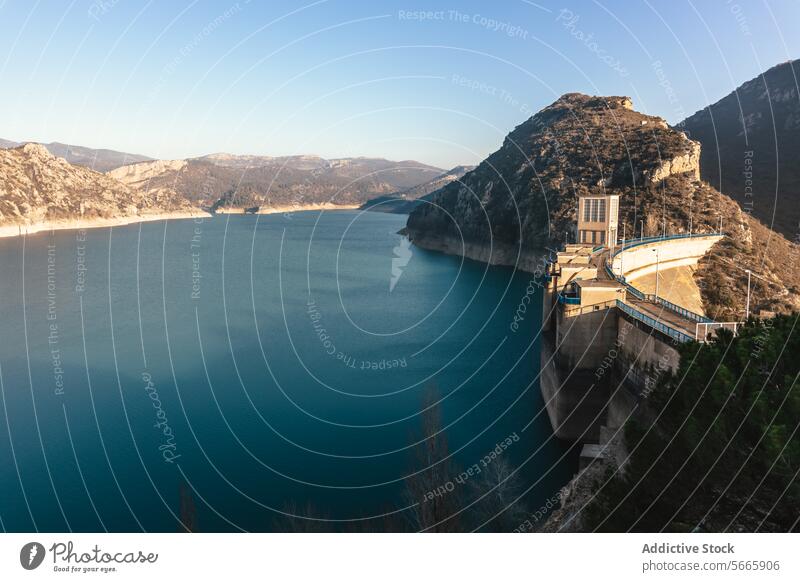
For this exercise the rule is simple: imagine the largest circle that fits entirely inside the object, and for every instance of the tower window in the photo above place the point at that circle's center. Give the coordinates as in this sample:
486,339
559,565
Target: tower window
594,209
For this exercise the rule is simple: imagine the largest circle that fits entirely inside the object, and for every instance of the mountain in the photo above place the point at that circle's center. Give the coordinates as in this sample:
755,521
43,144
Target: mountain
244,181
36,186
404,201
98,160
751,145
521,200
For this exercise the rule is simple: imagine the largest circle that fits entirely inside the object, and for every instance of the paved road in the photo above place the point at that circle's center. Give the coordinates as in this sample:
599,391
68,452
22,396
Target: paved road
663,315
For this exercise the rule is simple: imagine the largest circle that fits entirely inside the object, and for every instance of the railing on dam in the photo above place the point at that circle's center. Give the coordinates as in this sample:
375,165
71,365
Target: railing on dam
703,330
567,300
635,242
682,311
654,323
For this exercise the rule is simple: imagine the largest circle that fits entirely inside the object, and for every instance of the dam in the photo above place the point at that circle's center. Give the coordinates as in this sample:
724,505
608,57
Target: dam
614,314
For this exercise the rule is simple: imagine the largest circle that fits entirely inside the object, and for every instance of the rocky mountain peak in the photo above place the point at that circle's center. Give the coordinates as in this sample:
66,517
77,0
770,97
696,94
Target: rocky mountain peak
522,199
580,100
36,149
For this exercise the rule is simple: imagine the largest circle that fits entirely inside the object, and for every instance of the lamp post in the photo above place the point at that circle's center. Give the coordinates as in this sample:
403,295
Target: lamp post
657,265
747,304
641,223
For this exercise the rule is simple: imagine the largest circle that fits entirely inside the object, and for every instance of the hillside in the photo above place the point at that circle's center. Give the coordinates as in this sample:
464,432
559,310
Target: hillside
754,134
100,160
404,201
36,186
716,450
242,181
521,200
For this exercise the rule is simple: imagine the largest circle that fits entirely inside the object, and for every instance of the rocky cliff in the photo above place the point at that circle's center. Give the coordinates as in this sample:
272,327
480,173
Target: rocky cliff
36,186
751,143
521,200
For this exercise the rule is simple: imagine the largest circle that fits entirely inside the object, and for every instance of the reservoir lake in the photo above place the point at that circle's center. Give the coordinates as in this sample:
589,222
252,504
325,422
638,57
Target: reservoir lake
260,373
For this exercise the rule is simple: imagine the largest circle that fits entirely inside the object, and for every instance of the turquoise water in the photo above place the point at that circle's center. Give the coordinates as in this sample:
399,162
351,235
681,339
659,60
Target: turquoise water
244,368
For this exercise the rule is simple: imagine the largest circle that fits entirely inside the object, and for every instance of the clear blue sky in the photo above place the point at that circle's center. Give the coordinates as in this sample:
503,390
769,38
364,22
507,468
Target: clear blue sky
344,78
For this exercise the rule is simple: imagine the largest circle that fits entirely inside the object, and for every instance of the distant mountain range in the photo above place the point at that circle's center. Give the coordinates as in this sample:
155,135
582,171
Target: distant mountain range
98,160
38,186
226,180
751,146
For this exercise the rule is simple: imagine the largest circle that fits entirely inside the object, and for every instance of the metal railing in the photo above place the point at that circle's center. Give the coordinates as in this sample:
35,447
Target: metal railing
682,311
712,326
634,242
568,300
654,323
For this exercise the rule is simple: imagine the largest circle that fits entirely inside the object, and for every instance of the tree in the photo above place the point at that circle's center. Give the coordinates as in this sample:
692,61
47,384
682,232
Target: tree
724,453
431,488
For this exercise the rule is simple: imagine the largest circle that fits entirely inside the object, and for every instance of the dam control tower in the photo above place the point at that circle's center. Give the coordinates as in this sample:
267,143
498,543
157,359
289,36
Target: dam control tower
598,216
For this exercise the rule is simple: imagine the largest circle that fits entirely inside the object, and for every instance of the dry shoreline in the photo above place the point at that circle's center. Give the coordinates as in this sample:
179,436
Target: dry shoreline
284,209
11,230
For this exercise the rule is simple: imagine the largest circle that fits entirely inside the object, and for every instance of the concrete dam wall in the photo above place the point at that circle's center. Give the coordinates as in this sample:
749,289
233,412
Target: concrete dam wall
643,259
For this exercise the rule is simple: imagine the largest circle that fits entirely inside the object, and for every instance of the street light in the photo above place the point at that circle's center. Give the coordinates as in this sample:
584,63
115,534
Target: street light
657,265
747,304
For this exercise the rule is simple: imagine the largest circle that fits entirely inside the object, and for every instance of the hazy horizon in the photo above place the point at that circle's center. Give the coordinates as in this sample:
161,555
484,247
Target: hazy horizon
428,82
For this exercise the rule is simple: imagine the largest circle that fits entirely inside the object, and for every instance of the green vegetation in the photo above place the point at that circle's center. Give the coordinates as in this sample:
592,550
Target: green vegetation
716,446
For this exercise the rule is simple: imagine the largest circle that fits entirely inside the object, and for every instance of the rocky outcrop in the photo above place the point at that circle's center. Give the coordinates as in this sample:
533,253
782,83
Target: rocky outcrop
138,174
36,186
687,163
521,200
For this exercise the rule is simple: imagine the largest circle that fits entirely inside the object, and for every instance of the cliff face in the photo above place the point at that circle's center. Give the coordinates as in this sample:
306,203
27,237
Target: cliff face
36,186
751,141
521,200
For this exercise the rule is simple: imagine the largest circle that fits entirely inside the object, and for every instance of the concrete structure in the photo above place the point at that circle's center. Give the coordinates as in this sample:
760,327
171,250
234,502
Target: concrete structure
597,220
606,343
640,258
